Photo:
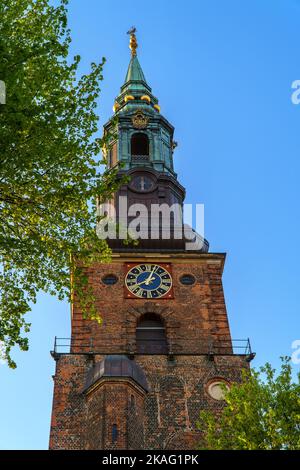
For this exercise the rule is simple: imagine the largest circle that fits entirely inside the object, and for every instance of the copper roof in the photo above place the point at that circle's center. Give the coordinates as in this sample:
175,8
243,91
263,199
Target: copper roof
116,366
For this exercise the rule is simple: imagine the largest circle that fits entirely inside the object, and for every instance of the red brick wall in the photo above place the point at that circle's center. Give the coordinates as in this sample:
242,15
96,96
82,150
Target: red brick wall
114,403
166,417
197,312
68,410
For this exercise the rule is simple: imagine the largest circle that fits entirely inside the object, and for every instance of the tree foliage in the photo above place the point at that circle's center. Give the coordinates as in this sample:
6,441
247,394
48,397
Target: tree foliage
49,164
261,413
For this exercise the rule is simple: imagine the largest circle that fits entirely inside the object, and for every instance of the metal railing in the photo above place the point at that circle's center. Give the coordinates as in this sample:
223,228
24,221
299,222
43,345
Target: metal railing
154,346
141,158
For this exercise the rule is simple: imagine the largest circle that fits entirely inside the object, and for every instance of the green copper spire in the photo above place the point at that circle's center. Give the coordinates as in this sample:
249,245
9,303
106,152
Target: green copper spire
135,91
144,136
135,80
135,72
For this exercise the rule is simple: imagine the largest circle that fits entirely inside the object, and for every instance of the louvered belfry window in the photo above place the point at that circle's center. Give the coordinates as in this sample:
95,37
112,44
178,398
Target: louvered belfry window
151,335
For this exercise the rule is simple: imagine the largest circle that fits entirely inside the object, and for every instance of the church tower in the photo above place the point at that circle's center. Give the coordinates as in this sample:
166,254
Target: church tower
139,380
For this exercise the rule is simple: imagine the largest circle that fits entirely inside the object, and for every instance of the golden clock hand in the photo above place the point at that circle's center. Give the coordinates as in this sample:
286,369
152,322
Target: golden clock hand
150,278
146,281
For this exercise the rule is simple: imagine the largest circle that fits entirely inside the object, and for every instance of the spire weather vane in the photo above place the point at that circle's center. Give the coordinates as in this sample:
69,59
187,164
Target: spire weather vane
133,42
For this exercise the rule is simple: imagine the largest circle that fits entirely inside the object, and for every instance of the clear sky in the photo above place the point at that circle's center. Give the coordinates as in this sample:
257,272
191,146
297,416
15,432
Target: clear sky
222,71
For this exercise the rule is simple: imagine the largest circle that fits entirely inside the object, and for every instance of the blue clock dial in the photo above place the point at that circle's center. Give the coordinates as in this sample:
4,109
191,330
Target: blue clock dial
149,281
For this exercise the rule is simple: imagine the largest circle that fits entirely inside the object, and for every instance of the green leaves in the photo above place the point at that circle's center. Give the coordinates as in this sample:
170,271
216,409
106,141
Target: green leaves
262,412
49,165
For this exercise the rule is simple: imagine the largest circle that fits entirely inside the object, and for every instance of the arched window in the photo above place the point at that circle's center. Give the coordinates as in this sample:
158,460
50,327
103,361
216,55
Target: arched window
132,403
151,335
139,145
114,433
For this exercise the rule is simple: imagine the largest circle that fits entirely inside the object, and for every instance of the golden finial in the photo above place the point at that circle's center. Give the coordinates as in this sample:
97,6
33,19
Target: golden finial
133,42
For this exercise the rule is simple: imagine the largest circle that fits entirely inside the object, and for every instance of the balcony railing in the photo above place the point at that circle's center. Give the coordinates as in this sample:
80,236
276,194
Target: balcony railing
177,347
140,158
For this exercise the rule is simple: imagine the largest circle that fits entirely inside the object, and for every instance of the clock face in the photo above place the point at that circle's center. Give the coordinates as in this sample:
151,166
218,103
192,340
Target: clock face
150,281
142,183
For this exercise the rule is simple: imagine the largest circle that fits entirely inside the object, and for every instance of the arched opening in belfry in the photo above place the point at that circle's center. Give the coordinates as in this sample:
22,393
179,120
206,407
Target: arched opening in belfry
151,335
139,144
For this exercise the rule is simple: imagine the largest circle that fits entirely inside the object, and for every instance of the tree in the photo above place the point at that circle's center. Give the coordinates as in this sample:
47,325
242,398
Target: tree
261,413
49,165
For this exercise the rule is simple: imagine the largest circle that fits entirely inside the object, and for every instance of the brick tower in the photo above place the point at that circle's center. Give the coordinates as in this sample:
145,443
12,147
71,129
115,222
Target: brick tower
140,379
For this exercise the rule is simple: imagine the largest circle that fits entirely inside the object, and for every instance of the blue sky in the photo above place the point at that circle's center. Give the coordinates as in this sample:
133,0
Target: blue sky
222,72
